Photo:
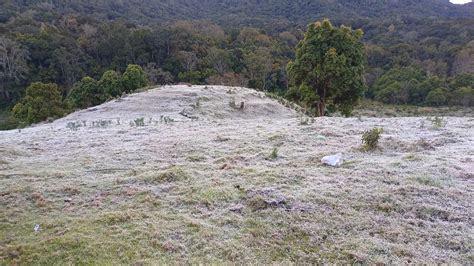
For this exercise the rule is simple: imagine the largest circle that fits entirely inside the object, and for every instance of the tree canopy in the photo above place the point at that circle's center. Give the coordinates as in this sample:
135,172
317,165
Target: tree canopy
41,101
329,68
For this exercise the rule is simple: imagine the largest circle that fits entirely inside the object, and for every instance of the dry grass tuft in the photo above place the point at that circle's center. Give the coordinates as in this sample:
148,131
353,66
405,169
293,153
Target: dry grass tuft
173,174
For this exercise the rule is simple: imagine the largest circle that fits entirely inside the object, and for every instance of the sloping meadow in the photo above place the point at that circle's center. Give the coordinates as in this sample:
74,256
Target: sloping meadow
195,174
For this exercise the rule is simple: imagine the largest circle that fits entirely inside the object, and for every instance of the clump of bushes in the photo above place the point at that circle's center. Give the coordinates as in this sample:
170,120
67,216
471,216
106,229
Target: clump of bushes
89,92
44,100
370,138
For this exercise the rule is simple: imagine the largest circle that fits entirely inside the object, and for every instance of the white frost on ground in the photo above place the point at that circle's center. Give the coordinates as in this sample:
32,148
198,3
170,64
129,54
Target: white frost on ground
410,201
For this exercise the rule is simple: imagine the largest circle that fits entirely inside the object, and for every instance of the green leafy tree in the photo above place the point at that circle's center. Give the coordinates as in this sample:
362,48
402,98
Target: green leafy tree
437,97
330,61
463,96
258,66
403,85
86,93
133,78
41,101
110,83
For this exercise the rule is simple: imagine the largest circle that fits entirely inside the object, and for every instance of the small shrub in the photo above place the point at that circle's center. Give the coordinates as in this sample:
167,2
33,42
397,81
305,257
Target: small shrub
274,154
74,126
437,122
139,122
166,119
370,138
101,123
305,120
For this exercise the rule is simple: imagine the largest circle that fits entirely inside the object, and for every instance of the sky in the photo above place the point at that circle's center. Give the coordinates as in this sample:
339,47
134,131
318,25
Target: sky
460,1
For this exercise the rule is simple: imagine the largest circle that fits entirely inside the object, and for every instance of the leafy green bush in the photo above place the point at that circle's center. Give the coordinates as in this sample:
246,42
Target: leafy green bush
7,121
463,96
437,97
370,138
133,78
86,93
41,101
110,83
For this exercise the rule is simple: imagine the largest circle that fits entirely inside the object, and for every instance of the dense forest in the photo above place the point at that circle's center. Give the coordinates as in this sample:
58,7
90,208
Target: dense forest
418,52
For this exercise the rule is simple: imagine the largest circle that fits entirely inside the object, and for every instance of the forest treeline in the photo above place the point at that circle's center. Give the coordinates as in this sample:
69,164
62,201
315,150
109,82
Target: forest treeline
412,56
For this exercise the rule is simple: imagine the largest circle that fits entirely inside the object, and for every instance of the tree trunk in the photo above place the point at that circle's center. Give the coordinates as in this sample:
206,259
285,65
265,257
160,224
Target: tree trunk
322,101
321,106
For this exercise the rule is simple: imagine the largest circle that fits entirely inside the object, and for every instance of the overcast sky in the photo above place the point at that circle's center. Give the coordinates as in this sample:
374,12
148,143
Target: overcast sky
460,1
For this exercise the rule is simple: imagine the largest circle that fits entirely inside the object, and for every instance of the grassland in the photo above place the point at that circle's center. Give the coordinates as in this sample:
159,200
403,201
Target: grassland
234,185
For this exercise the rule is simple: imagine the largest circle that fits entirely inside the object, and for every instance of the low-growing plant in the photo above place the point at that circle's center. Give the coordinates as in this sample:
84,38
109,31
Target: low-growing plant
305,120
257,203
172,174
74,126
370,138
437,122
166,119
139,122
101,123
274,154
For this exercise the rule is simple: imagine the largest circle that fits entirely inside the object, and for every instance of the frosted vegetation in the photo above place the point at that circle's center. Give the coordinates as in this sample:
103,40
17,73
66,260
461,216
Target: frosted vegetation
184,174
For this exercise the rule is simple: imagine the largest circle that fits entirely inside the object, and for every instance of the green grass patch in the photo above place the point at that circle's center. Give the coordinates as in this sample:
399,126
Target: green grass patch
428,181
173,174
214,196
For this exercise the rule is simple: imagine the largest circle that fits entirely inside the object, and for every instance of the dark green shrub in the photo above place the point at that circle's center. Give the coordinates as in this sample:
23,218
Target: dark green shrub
370,138
133,78
463,96
437,97
86,93
41,101
110,83
7,121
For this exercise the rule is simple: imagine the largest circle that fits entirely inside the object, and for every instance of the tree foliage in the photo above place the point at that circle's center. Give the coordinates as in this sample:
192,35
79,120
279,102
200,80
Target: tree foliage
41,101
411,85
133,78
330,64
86,93
110,83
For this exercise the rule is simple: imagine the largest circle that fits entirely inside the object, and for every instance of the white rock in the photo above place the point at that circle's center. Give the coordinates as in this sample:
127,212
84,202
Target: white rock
333,160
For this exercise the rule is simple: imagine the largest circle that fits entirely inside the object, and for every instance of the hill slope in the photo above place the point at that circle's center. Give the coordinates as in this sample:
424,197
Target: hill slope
248,12
210,189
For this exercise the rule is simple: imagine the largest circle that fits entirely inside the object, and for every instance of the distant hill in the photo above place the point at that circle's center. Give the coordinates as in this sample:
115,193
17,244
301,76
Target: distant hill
238,12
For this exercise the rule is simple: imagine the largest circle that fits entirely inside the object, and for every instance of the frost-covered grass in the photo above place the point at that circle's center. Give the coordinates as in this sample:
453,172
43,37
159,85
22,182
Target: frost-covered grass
210,191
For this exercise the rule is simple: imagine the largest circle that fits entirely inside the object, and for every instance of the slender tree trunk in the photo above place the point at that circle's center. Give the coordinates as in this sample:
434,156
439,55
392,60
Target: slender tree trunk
322,107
